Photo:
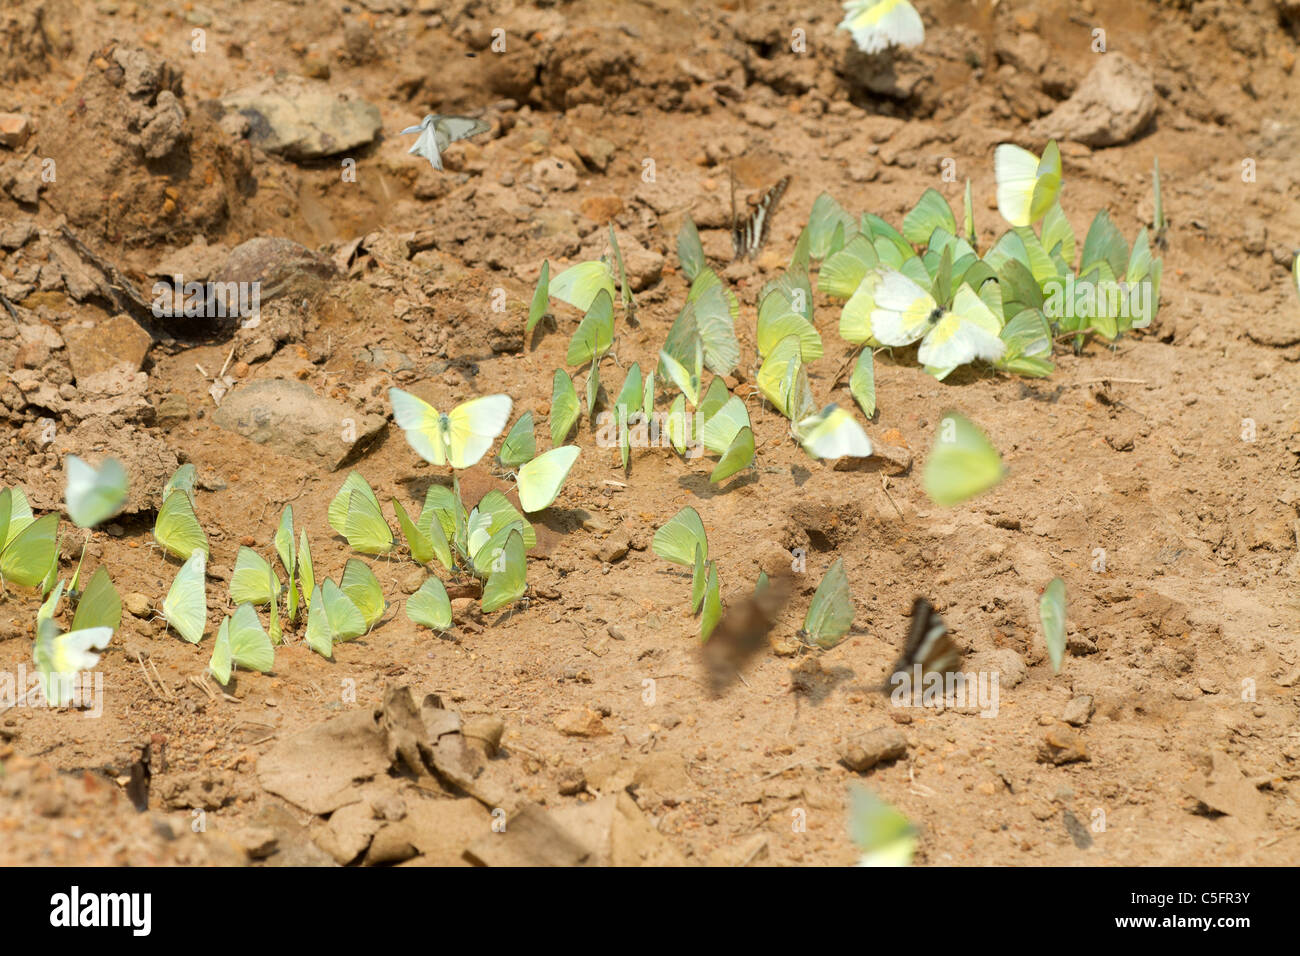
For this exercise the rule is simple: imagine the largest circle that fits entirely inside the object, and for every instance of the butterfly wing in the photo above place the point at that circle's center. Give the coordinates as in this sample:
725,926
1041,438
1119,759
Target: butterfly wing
93,496
420,422
427,144
362,588
186,604
833,433
542,478
452,128
678,538
1016,171
365,527
879,24
473,427
100,605
831,612
249,645
30,554
177,528
430,606
748,236
506,582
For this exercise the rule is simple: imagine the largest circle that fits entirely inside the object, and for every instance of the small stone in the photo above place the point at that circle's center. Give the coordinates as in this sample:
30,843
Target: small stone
1078,711
14,129
556,174
572,781
117,340
876,746
172,409
615,547
1061,747
137,604
601,209
581,722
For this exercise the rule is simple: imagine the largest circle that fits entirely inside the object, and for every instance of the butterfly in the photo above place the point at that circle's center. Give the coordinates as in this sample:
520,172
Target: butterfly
1027,186
94,495
459,437
748,236
962,464
742,632
439,132
905,312
878,24
928,645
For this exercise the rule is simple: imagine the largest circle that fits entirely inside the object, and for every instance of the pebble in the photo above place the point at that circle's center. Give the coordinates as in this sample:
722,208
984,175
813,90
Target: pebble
876,746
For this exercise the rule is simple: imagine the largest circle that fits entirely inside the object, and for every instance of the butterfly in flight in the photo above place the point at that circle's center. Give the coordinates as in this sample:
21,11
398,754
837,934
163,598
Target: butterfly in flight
928,644
749,234
742,632
439,132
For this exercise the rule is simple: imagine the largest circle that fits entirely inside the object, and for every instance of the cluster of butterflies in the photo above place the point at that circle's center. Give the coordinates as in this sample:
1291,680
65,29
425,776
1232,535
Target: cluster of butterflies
961,306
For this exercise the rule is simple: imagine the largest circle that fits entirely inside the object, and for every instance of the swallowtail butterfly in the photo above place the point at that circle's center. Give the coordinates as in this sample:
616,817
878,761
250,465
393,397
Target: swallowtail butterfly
928,644
748,236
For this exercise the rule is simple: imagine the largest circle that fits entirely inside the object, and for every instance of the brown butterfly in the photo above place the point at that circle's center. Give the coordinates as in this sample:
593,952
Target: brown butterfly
742,632
928,645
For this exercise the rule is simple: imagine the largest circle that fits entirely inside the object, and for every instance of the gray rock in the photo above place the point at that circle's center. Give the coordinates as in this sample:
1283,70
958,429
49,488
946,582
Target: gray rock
293,420
1112,105
1005,662
303,120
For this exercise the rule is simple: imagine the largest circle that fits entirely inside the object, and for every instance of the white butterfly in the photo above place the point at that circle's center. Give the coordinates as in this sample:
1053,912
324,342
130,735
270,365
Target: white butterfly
878,24
439,132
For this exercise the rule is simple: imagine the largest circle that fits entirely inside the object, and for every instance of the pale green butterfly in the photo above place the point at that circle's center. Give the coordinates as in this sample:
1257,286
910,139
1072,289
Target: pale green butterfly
564,407
520,443
681,359
186,604
499,512
783,382
710,302
506,581
182,479
60,657
99,604
699,579
678,538
30,554
362,588
721,427
425,537
630,398
354,513
306,574
430,606
579,284
1051,613
711,611
931,212
715,398
541,297
962,463
331,618
774,327
595,333
738,456
862,383
542,478
459,437
855,317
831,612
841,274
254,580
177,528
832,433
284,548
1027,185
882,833
241,642
15,514
93,496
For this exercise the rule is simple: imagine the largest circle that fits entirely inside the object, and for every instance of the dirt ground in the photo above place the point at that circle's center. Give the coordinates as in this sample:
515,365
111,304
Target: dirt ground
1176,450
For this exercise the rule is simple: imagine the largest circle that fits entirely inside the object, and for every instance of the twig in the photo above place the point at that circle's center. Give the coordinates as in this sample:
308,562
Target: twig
147,679
884,486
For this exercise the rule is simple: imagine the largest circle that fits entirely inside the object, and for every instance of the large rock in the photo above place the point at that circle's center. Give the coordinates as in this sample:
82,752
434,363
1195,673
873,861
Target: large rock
293,420
1113,104
279,266
303,120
